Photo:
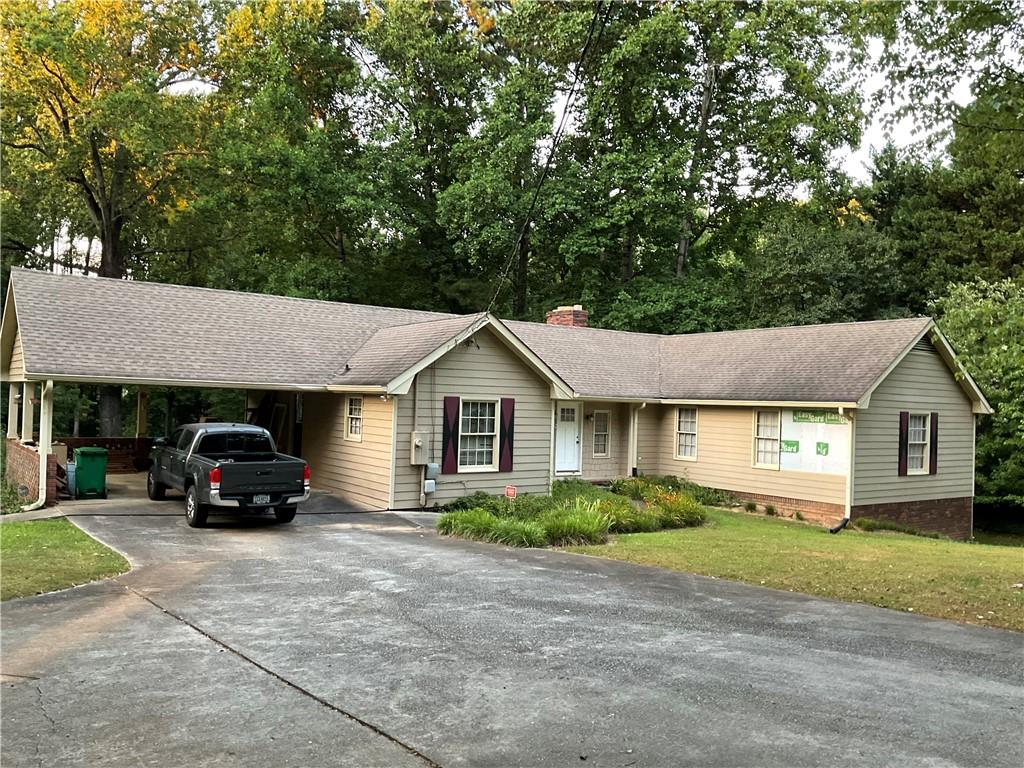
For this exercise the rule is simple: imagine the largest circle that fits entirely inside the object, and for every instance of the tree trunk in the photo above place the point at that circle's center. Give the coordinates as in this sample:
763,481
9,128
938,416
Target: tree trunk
110,410
683,251
627,255
522,272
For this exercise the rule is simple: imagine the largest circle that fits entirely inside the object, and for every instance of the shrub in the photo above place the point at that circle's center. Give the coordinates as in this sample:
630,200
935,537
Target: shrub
478,500
870,524
750,506
577,522
798,515
632,487
770,510
630,519
518,533
525,507
468,523
573,487
677,510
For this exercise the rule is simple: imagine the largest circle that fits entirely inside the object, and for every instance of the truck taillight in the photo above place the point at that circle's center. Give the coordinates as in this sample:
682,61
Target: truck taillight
215,479
305,475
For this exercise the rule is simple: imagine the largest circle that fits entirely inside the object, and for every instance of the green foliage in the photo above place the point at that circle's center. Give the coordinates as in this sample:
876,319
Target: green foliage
870,524
770,510
640,488
522,533
750,506
984,322
677,510
798,515
631,487
579,521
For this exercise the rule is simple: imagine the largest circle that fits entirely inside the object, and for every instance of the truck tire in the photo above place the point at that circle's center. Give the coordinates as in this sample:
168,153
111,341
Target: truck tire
195,512
155,490
284,514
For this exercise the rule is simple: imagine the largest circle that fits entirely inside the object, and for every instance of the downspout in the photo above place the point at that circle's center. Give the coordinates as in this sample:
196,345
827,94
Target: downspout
849,479
415,429
45,441
634,433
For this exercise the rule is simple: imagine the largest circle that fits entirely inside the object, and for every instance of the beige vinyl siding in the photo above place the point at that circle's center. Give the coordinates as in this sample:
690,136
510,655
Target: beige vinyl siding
16,369
648,443
485,370
614,464
921,383
359,471
725,438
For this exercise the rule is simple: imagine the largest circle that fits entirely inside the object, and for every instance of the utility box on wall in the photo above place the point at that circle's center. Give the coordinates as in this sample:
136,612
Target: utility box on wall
418,448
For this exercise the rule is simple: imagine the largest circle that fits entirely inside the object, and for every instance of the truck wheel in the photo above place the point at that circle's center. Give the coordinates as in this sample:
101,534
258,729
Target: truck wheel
154,489
195,513
284,514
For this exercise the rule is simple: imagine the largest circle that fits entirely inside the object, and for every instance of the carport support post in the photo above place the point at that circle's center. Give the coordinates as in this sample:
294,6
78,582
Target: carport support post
45,429
28,416
142,413
12,412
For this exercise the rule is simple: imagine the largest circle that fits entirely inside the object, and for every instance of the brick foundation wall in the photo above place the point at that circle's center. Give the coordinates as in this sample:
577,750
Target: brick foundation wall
950,517
823,512
22,471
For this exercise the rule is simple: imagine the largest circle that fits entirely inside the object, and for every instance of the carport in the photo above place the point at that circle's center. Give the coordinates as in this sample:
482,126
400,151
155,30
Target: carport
60,329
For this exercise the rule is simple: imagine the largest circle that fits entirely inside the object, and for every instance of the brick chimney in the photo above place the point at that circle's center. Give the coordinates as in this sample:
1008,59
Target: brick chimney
575,315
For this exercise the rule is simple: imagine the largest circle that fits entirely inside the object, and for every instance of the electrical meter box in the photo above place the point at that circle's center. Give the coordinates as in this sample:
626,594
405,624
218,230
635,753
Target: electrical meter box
429,486
432,472
418,448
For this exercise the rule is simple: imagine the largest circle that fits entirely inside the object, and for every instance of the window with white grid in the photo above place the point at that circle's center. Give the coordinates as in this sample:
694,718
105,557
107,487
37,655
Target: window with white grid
917,444
686,433
767,433
478,433
600,434
354,419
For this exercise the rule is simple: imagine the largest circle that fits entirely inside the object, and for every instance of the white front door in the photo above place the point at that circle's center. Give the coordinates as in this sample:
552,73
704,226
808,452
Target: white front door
567,437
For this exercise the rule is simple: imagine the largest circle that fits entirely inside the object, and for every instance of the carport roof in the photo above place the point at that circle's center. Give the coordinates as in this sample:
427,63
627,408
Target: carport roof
124,331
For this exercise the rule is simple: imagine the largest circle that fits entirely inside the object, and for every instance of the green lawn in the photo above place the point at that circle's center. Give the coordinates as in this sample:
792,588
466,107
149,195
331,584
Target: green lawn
45,555
972,583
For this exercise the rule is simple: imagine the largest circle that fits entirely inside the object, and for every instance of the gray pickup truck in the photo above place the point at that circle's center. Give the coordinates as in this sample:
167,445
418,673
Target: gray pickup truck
227,467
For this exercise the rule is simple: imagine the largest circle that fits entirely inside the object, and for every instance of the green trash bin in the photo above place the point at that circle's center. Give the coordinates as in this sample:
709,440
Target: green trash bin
90,473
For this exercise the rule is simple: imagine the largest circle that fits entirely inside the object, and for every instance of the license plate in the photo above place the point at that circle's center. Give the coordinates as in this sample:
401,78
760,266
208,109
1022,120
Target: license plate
261,498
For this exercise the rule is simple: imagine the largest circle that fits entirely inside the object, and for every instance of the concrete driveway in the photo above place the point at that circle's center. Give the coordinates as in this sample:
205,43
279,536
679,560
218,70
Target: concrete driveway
366,640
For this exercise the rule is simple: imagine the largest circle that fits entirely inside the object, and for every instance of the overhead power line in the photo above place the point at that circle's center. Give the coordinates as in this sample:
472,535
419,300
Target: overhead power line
598,23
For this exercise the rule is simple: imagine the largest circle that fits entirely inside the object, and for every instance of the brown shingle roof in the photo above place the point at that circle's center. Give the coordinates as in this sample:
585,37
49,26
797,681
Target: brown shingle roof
124,330
118,330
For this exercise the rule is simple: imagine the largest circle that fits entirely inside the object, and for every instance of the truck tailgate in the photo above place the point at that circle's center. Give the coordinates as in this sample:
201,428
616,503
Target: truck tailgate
261,477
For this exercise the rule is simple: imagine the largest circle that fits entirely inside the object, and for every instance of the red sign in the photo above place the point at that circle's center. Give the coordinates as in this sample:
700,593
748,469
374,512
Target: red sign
510,491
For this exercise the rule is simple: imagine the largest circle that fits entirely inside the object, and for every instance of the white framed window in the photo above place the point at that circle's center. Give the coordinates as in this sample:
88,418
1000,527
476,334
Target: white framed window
478,435
354,418
602,441
917,444
767,436
686,434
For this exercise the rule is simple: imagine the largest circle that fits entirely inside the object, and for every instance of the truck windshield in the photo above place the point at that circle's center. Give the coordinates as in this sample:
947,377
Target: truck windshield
234,442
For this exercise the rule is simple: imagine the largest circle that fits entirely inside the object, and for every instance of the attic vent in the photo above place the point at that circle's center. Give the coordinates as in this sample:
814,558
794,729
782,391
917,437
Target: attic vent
925,345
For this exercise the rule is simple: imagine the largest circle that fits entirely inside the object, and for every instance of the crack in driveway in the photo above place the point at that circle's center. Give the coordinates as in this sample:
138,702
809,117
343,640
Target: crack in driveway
277,676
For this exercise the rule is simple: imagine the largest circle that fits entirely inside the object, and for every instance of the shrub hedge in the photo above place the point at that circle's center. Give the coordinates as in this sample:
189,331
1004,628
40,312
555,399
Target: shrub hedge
576,512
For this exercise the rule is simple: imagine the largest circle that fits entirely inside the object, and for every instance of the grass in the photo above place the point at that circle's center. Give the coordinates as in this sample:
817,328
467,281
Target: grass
46,555
966,582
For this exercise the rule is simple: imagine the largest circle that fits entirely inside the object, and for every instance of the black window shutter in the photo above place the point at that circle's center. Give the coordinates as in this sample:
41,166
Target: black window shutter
933,444
506,442
450,436
904,435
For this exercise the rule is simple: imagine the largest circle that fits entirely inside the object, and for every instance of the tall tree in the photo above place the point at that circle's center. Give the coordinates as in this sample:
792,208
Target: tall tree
88,98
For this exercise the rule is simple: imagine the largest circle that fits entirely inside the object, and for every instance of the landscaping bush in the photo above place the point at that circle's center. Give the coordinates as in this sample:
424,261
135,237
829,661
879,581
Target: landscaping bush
640,488
750,506
798,515
577,522
870,524
514,532
573,487
677,510
468,523
770,510
632,487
